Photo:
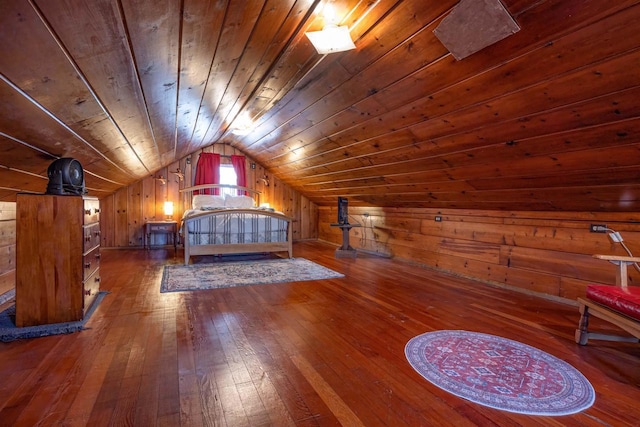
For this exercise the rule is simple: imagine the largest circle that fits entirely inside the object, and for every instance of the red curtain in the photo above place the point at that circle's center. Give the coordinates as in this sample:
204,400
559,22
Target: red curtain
239,166
208,172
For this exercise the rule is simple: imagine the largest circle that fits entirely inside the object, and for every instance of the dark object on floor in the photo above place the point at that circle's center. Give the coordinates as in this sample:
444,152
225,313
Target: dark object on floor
10,332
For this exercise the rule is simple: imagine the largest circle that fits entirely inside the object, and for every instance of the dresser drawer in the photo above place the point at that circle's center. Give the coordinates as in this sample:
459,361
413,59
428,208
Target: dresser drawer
91,237
91,210
90,262
91,287
162,228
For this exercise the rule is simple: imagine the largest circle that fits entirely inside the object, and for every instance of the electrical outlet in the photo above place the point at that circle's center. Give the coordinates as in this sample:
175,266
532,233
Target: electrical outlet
438,218
598,228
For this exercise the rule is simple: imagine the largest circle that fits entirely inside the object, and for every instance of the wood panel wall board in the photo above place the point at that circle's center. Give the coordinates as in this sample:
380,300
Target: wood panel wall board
7,247
357,148
277,20
148,198
609,135
57,75
571,288
344,189
414,24
562,63
121,224
526,280
330,69
586,116
7,257
548,252
239,21
411,91
470,249
173,189
490,273
153,31
12,151
605,176
538,236
551,21
411,18
160,194
23,182
579,266
86,29
522,141
445,189
490,215
592,112
525,179
604,198
287,111
188,178
7,211
135,222
417,51
43,132
108,222
8,280
603,110
197,50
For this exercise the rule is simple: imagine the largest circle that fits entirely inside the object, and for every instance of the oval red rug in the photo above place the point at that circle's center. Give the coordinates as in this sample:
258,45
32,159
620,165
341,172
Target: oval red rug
499,373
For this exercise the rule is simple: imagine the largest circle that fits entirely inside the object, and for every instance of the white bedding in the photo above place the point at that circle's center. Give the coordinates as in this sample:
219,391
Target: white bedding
232,227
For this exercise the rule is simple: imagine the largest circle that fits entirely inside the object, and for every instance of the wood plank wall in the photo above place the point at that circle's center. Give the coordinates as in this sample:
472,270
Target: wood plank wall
7,248
124,213
542,252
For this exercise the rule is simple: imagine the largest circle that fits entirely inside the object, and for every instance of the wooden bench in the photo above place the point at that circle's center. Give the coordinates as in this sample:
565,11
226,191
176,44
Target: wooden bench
619,305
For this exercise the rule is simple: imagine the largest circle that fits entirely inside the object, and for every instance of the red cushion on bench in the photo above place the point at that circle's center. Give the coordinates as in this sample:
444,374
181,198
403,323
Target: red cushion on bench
625,300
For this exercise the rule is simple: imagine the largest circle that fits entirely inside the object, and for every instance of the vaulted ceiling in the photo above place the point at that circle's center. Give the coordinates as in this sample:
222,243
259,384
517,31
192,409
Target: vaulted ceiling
545,119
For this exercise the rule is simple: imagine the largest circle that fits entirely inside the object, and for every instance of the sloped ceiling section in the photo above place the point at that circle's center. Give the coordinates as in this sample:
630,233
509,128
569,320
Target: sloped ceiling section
544,119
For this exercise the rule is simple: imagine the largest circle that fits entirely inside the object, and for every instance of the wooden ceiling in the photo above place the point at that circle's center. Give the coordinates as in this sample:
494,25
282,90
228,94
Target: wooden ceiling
545,119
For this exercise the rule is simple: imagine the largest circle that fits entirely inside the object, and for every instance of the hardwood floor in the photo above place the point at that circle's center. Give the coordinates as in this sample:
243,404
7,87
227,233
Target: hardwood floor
320,353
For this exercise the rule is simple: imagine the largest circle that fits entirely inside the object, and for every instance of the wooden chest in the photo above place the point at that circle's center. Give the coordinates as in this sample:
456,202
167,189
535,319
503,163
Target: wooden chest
57,257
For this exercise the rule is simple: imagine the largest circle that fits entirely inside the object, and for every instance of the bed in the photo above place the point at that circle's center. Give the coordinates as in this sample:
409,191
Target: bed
231,224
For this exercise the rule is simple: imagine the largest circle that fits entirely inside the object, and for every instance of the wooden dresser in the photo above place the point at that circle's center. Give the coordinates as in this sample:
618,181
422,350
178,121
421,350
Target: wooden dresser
57,257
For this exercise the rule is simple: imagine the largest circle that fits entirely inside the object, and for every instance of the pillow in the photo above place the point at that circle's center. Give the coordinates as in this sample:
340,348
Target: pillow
201,201
238,201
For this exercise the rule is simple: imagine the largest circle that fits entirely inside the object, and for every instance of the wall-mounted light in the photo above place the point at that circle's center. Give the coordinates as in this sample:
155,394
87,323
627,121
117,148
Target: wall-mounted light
265,180
162,180
168,210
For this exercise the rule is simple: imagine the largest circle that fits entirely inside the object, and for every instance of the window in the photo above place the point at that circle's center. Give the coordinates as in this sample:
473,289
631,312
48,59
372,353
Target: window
228,177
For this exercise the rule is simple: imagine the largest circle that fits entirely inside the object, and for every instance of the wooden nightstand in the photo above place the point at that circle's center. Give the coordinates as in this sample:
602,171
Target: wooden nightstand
169,228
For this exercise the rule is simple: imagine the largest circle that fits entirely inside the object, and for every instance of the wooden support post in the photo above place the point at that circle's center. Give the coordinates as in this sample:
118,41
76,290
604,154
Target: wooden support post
345,251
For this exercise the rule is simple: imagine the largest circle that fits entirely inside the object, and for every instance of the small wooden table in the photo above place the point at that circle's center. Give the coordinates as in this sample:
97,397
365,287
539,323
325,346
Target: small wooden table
345,251
161,227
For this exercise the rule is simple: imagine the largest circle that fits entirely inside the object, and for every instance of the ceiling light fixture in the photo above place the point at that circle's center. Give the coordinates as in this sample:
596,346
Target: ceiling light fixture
243,124
333,37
